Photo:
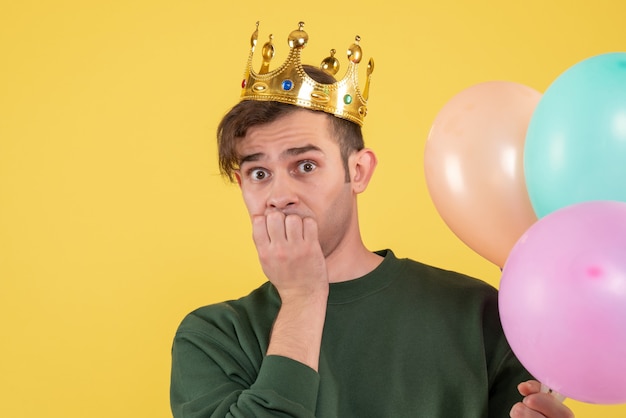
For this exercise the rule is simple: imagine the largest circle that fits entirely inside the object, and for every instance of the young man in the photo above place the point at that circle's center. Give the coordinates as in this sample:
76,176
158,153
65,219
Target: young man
338,330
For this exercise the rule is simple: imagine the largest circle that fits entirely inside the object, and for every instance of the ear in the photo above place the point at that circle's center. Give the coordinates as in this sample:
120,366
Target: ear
362,164
238,177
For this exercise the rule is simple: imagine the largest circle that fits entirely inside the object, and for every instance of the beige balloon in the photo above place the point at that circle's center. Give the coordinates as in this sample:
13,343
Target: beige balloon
473,163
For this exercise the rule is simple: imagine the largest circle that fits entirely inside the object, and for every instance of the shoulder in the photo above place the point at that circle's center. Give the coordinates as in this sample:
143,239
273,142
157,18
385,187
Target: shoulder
460,302
446,294
438,280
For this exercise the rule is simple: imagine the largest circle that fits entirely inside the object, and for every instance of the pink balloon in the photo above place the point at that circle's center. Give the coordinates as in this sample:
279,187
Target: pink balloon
473,163
563,301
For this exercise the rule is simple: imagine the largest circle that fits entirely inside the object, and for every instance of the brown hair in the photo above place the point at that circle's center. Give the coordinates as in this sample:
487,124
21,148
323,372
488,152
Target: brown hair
249,113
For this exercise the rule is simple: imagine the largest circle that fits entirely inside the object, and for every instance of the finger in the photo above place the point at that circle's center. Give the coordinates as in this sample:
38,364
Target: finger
529,387
293,228
259,231
517,410
276,226
547,405
309,230
520,410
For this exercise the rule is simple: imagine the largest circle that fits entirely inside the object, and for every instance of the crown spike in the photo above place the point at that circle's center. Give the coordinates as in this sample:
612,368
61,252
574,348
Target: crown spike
289,83
370,70
330,64
254,37
298,38
354,52
267,53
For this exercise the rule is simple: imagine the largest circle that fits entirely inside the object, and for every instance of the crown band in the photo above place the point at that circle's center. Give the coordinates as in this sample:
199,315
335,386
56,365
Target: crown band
289,83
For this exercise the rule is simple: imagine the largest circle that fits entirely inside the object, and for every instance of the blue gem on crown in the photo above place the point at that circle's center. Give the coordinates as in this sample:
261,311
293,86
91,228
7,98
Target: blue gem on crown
287,85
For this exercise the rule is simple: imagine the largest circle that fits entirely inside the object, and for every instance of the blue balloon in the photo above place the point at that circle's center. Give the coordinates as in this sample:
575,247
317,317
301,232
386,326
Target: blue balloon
575,147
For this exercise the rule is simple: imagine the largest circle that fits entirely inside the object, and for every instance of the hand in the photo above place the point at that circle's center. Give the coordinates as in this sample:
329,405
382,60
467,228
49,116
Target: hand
290,254
537,404
292,259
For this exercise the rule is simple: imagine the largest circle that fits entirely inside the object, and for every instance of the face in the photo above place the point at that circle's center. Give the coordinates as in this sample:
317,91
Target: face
293,165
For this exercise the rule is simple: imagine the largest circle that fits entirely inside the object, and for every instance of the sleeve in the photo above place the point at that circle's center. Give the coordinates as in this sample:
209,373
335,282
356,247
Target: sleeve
503,392
505,370
215,373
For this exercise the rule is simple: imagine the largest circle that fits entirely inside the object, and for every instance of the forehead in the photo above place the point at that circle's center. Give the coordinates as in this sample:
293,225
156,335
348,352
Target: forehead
295,129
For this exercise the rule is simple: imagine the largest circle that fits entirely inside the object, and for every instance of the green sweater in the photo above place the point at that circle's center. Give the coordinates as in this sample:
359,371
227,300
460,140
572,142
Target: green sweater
406,340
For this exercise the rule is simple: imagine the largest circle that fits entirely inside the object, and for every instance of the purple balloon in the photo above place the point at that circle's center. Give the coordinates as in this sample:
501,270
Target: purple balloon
563,301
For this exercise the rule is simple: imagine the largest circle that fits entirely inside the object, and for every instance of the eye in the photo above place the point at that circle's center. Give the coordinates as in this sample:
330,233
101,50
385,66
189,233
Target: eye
258,174
306,166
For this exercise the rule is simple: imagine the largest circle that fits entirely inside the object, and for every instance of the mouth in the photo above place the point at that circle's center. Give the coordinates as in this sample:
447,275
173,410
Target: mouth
288,212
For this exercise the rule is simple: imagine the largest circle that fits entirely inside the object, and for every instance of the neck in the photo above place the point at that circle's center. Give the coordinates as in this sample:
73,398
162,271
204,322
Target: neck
350,262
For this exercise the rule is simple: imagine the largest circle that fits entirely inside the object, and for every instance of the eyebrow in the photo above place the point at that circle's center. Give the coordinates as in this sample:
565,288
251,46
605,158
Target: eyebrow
287,153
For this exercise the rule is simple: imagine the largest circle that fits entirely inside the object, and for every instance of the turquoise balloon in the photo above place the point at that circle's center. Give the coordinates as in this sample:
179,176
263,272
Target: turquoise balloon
575,146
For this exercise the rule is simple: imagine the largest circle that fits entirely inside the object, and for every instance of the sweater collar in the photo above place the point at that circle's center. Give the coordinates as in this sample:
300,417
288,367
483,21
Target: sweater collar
374,281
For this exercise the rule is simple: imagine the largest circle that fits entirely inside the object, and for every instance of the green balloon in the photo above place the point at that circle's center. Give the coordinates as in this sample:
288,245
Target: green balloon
575,146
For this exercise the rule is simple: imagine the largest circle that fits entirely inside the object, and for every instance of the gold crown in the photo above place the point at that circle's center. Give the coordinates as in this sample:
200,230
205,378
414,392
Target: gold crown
290,83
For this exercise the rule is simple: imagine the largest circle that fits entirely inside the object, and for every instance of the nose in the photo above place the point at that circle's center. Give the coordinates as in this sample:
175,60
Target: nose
282,193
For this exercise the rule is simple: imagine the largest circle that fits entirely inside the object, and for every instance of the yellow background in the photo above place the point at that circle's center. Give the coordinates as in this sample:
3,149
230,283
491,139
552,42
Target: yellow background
114,222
